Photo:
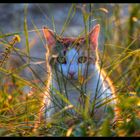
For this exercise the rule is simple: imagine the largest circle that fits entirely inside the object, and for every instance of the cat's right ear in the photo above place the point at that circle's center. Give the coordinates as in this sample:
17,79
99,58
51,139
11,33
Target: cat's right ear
94,35
49,36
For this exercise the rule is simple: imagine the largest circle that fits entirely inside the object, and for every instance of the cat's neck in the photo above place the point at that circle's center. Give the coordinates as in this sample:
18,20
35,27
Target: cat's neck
94,86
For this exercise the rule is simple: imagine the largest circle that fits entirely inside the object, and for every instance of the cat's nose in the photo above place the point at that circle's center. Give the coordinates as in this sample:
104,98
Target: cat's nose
71,73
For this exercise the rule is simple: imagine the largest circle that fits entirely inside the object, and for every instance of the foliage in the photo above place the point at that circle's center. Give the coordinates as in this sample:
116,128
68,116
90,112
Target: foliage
120,56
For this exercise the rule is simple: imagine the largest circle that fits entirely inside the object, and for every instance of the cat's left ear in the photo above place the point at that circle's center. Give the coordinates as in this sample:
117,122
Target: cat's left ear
49,36
94,35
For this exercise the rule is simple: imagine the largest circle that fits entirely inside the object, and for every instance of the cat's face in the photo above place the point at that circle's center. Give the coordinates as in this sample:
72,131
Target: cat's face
73,63
72,57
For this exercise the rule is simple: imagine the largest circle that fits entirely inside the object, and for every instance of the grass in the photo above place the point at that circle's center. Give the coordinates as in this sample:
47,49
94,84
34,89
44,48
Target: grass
120,58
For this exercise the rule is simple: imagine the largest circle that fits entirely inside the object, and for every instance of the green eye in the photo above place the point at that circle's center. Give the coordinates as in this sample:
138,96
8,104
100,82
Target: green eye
82,59
61,60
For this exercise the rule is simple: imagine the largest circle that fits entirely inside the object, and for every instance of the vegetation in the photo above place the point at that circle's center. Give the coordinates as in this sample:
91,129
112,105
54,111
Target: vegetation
120,57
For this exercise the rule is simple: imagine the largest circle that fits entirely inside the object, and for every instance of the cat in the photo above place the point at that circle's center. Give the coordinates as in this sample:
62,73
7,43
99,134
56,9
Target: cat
74,73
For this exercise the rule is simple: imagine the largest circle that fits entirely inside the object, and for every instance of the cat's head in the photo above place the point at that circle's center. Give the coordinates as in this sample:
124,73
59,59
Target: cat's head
73,57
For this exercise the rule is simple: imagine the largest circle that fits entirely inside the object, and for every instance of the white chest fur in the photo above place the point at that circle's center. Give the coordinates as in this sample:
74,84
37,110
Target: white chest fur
95,87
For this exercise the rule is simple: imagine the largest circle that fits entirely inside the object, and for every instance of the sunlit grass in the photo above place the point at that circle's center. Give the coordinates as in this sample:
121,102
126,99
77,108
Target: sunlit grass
20,111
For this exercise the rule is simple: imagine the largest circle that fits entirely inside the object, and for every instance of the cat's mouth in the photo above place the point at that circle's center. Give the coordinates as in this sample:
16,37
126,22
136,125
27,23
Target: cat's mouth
72,78
79,79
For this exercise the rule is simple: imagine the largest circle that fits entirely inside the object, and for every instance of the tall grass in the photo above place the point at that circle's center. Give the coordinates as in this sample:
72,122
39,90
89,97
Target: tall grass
119,55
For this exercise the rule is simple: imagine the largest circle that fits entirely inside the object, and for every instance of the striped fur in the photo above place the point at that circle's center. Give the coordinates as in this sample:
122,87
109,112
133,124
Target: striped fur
67,47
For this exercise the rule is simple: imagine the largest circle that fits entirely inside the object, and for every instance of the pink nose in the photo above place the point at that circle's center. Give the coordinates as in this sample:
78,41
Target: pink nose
71,74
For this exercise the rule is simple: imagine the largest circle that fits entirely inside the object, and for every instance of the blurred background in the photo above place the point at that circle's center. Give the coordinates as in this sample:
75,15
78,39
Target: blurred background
120,26
24,66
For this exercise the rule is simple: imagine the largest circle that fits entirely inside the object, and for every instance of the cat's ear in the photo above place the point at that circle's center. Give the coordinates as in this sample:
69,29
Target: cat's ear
49,36
94,35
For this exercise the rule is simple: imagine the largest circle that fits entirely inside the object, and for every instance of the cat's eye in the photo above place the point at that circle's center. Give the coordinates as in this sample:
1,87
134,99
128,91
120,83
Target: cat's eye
61,60
82,59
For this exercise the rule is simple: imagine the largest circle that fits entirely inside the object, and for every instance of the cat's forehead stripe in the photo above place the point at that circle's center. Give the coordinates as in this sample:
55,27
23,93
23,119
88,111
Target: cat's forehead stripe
66,41
71,47
78,44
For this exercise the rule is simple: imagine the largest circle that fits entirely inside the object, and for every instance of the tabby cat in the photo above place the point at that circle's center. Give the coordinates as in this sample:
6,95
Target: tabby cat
76,81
